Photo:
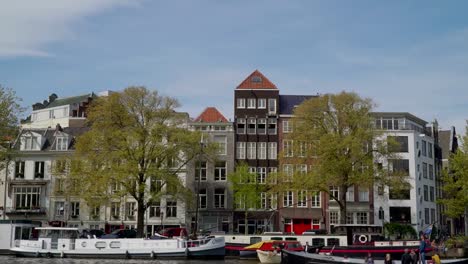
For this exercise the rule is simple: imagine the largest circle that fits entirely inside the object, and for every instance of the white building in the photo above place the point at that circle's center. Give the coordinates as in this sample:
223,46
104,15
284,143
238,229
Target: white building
417,205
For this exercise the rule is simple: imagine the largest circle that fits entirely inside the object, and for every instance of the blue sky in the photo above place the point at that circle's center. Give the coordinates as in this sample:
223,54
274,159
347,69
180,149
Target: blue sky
409,56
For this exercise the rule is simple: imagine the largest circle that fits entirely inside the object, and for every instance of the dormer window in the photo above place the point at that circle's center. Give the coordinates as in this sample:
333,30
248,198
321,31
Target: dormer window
30,143
61,143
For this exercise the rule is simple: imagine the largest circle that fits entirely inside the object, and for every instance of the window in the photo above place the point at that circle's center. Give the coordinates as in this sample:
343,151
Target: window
171,209
263,200
363,194
288,199
361,218
219,198
240,103
75,209
39,169
271,126
288,148
30,143
302,198
426,216
431,172
315,199
425,193
155,209
424,148
334,192
156,185
261,126
251,150
272,150
429,150
425,170
251,103
287,128
401,143
431,193
301,169
115,210
288,172
61,143
240,150
262,150
399,166
271,106
59,208
261,175
19,169
349,218
261,103
220,171
59,166
350,194
222,145
26,197
95,211
130,209
333,217
240,126
200,171
59,185
301,152
403,194
51,114
272,175
202,199
433,220
251,123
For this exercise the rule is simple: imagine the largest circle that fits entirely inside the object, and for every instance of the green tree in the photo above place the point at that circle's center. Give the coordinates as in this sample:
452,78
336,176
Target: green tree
334,136
455,181
247,190
10,110
136,146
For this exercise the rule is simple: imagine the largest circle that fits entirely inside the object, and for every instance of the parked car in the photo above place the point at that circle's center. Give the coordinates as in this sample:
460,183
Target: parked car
121,233
92,233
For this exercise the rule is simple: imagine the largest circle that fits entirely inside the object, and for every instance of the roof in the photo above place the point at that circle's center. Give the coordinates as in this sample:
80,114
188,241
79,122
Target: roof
400,114
211,115
70,100
287,103
49,135
257,80
447,142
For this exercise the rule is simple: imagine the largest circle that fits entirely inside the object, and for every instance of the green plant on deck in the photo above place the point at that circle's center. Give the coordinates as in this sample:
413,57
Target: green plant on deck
399,230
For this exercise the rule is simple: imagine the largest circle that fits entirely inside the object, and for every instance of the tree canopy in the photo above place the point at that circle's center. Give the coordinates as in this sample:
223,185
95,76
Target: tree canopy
332,147
455,180
10,110
136,146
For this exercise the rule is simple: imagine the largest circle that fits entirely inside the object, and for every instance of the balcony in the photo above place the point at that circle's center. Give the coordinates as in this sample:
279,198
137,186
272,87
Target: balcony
26,210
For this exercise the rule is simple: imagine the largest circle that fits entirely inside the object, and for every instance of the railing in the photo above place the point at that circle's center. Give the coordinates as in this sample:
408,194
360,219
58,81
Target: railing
28,210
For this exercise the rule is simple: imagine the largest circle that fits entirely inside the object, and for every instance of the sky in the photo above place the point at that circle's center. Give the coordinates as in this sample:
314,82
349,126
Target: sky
408,56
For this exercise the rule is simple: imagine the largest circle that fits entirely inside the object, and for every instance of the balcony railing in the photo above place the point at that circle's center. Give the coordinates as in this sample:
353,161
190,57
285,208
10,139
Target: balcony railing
26,210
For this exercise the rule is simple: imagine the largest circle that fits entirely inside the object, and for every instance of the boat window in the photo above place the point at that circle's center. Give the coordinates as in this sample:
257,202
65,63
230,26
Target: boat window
100,244
276,238
318,242
290,239
294,245
333,242
114,244
254,240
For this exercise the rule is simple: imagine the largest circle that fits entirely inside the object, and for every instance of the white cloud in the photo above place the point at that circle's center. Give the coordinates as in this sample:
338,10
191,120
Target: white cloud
28,26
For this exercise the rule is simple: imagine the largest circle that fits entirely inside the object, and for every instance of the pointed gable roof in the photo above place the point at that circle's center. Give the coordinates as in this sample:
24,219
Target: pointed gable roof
257,80
211,115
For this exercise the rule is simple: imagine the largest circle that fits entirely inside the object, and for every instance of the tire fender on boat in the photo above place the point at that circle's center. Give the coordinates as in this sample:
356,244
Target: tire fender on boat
362,239
152,254
62,255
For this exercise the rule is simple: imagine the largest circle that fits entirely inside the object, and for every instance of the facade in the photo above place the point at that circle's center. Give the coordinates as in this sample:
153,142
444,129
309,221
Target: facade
207,176
417,205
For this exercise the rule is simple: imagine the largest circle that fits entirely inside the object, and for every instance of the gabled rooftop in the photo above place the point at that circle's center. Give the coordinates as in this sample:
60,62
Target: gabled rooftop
256,80
287,103
211,115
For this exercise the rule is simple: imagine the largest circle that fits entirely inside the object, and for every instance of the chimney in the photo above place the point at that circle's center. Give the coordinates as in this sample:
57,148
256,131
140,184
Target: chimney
58,127
52,97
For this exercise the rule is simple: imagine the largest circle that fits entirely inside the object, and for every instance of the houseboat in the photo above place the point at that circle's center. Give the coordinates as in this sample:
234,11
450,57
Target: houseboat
63,242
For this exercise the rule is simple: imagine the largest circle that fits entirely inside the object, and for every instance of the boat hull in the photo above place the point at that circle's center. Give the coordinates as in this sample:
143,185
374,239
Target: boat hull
269,256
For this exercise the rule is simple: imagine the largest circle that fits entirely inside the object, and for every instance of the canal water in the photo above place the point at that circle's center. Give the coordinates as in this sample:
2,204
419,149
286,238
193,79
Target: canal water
15,260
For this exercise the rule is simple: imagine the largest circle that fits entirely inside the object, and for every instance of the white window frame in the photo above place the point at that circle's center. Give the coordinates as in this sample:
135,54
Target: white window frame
316,200
241,121
288,151
61,143
287,128
261,103
261,175
272,150
252,150
251,103
271,105
219,200
75,208
262,150
222,144
251,121
240,103
262,121
240,150
221,171
302,198
288,170
288,198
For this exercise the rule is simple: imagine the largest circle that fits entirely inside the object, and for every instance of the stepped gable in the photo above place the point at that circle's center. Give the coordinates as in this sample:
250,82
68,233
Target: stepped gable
211,115
257,80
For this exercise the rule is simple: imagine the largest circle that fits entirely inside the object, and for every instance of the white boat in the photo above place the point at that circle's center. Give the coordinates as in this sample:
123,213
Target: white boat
269,256
64,242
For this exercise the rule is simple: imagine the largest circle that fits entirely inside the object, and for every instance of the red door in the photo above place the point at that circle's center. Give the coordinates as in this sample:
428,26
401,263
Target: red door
301,225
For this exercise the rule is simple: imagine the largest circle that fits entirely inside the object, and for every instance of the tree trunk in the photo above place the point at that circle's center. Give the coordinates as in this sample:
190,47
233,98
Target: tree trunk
342,203
140,217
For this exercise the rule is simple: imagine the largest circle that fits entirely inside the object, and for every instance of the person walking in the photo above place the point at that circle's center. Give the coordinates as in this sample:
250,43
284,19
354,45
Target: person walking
422,249
388,259
406,258
414,257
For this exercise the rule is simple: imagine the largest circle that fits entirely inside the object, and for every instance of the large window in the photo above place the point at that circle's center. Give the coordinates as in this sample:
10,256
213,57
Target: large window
288,148
400,214
350,194
200,171
240,150
251,126
19,169
431,193
219,198
429,150
222,146
220,171
424,148
302,198
271,126
400,194
155,209
426,216
426,196
431,172
240,103
362,218
334,217
115,210
171,209
398,143
130,209
61,143
425,170
316,200
30,143
262,150
363,194
288,171
240,126
27,197
287,126
59,208
261,126
39,169
251,103
272,106
261,175
75,209
334,192
272,150
288,198
399,166
261,103
251,150
202,200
